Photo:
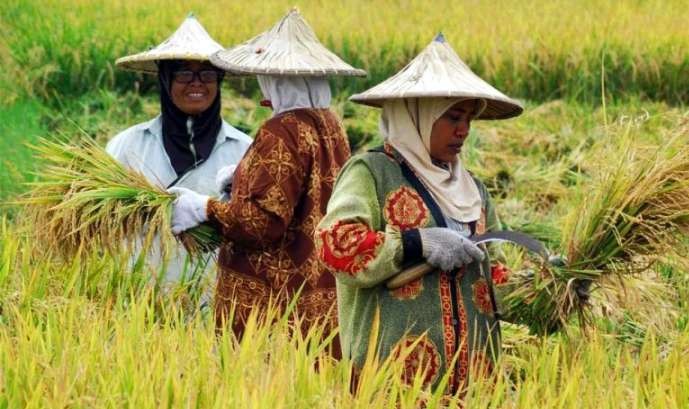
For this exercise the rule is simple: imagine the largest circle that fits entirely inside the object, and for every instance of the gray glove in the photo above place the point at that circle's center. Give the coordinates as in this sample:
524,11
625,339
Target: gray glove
446,249
224,177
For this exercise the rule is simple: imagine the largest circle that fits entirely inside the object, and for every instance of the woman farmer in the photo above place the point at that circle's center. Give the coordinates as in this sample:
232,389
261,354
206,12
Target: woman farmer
188,142
413,201
282,186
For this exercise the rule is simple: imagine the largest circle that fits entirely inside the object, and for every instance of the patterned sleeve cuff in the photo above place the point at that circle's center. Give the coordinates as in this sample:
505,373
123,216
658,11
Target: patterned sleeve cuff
212,210
411,244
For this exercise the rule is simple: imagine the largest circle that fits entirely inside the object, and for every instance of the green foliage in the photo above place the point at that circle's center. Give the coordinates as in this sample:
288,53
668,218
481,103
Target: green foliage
53,48
92,331
86,332
20,124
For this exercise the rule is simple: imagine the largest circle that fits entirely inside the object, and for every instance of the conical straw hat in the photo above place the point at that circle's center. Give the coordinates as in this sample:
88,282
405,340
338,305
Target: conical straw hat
190,42
289,48
439,72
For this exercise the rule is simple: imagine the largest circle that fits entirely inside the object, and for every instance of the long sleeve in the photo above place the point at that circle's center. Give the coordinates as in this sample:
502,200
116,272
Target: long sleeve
266,188
350,240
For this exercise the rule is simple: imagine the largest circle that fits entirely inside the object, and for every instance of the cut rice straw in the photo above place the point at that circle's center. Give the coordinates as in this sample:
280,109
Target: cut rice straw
84,199
630,217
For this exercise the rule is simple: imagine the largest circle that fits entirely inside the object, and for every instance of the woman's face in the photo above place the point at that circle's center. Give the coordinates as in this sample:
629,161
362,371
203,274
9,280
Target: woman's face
451,130
194,86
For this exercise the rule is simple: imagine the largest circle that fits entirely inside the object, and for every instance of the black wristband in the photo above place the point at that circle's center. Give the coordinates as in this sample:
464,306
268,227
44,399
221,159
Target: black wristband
411,245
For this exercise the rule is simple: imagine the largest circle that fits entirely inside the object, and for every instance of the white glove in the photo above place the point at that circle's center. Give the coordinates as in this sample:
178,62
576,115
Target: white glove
224,177
188,210
446,249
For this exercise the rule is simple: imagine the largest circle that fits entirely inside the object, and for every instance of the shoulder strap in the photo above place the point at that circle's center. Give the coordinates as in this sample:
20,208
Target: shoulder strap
413,180
379,149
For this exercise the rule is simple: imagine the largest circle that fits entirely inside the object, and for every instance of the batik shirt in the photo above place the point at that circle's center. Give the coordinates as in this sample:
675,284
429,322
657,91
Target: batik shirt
279,194
370,234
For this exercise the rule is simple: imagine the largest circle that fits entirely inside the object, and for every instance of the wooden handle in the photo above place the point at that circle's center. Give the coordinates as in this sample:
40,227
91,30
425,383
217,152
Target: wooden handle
409,275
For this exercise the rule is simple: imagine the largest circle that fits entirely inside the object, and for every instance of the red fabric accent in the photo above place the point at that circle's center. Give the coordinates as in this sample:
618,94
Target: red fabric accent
499,273
405,209
448,326
481,296
349,247
266,103
423,356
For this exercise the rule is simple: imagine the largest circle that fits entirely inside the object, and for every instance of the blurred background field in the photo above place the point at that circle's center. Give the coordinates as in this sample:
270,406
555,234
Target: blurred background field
538,50
93,334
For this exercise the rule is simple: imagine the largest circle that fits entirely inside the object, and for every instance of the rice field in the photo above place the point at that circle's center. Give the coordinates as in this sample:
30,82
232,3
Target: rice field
540,50
596,77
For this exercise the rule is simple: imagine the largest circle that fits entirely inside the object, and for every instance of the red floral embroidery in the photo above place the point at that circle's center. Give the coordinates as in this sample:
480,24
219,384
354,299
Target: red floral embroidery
481,296
409,291
499,273
424,356
405,209
446,310
461,370
349,247
463,361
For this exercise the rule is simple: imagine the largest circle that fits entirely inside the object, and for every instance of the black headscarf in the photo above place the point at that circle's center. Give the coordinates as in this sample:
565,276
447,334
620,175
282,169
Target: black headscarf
205,126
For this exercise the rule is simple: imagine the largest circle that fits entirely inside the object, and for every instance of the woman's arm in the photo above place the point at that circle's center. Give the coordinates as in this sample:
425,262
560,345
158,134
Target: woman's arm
265,190
350,240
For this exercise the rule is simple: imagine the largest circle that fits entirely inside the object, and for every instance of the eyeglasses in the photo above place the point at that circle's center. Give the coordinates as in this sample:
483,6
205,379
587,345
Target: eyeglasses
205,76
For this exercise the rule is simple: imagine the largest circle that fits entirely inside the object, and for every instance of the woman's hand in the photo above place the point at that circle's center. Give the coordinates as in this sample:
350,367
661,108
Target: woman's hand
446,249
224,177
188,210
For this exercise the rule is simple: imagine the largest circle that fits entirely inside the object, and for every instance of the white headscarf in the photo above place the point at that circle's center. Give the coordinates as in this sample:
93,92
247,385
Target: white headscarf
291,92
406,125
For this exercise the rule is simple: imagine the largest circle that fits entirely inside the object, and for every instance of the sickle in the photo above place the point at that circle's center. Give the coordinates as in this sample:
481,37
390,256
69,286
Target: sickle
412,273
515,237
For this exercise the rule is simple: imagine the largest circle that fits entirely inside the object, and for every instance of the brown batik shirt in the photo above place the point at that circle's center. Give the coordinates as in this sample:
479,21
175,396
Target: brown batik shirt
279,195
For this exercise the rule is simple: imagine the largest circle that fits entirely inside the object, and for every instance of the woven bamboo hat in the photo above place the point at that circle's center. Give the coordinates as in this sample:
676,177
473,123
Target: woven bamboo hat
190,42
439,72
289,48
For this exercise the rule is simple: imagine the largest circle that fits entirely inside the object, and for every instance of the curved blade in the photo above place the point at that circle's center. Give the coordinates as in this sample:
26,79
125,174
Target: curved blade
515,237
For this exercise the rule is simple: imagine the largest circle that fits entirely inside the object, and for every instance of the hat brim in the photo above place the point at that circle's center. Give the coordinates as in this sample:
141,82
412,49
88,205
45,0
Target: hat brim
495,108
148,64
245,70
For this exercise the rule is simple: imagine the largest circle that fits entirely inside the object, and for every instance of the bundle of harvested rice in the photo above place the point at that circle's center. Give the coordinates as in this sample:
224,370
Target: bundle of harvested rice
84,199
630,217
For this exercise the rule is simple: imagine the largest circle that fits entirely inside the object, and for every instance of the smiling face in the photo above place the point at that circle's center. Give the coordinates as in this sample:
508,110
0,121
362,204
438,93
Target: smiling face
196,96
451,130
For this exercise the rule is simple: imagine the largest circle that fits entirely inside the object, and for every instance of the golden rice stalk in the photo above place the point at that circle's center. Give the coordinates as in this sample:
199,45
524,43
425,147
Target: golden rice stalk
633,215
85,199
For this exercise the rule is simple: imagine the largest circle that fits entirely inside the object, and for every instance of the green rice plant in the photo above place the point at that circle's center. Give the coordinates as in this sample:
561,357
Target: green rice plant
19,124
64,344
84,200
540,50
633,215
